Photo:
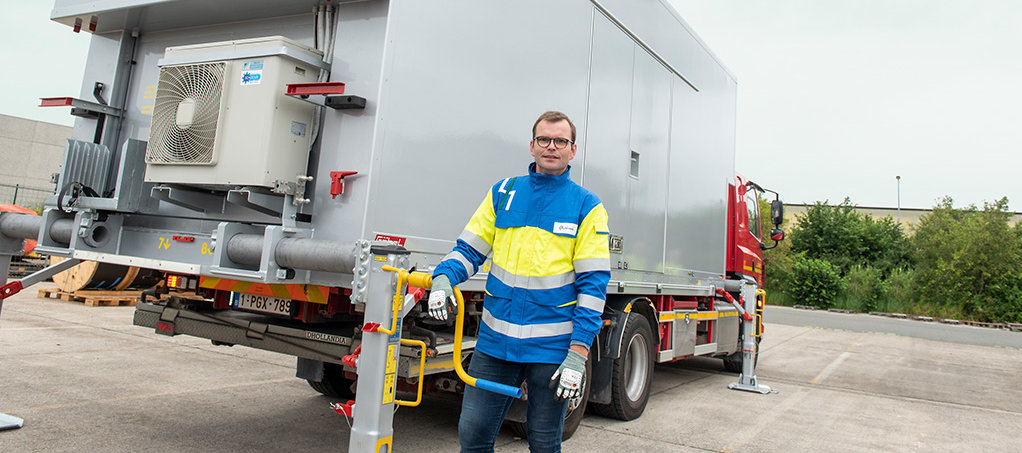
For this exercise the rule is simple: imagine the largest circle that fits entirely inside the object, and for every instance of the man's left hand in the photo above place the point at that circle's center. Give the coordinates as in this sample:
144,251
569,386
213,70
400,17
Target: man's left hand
568,376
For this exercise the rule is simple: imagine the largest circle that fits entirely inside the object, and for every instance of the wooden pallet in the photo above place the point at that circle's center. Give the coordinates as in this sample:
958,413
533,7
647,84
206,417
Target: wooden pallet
94,298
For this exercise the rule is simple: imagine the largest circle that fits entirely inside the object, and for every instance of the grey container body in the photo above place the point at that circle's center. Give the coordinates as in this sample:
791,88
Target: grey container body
453,88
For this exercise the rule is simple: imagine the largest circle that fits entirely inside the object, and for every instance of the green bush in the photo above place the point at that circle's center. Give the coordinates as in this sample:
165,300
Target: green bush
814,282
864,288
900,294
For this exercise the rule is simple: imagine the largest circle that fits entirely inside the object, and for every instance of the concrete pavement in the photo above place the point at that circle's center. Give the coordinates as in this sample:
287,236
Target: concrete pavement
85,379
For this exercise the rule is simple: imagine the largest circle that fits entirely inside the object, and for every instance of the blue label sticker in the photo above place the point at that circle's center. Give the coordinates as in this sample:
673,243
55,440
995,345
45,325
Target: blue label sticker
252,65
251,77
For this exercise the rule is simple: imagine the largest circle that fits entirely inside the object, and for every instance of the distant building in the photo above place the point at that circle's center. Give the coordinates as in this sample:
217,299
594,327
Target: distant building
909,216
30,152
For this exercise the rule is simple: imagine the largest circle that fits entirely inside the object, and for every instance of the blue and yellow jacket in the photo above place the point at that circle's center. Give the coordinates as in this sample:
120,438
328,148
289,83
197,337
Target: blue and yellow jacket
548,280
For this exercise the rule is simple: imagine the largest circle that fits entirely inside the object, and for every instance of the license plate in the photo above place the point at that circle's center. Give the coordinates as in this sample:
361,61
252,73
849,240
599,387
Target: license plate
262,304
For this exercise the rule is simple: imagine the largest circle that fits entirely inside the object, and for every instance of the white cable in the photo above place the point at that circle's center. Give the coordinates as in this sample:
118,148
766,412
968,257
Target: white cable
333,37
331,20
320,27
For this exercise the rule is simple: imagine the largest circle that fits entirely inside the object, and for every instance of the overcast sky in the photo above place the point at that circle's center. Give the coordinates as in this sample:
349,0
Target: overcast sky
835,98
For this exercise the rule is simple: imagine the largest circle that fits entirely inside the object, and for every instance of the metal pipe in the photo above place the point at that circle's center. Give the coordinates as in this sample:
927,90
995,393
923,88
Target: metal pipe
20,226
61,230
315,255
245,248
24,226
294,253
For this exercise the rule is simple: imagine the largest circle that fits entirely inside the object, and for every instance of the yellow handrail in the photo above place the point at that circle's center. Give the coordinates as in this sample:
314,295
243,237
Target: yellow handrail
398,301
425,281
422,373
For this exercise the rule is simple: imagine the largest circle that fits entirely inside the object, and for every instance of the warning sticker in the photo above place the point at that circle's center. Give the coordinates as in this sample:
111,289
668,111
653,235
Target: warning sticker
391,360
388,389
252,72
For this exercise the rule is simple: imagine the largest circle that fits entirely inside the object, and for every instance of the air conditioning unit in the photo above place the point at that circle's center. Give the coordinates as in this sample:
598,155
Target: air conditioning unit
221,117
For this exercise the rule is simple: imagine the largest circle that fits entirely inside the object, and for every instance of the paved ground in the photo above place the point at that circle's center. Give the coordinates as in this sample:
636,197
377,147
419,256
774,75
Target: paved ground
85,379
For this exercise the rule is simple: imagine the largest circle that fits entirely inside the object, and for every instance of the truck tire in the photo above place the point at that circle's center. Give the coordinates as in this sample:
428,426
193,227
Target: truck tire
572,419
733,362
632,372
334,383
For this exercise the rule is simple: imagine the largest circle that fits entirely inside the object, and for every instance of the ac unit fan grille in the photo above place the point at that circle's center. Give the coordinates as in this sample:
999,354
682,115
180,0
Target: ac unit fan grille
185,117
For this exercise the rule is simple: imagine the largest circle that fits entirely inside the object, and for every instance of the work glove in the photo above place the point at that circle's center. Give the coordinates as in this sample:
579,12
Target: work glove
440,297
568,377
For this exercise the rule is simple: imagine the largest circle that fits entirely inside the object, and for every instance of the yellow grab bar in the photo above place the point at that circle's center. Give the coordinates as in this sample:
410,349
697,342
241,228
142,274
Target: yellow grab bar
422,373
424,280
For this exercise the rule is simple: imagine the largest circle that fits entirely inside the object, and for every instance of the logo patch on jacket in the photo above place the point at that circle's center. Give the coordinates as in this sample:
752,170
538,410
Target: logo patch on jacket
565,228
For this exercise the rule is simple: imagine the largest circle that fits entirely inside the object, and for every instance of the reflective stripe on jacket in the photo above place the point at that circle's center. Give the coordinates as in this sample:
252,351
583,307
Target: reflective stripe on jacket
548,279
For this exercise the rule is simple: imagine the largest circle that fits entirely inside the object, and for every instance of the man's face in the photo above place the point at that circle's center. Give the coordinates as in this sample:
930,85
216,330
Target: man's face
549,159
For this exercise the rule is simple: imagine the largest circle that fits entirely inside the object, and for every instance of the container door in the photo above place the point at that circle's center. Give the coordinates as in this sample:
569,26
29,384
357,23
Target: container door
627,143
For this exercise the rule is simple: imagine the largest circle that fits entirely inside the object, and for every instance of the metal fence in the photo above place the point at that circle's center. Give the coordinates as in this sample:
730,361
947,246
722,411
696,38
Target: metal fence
24,196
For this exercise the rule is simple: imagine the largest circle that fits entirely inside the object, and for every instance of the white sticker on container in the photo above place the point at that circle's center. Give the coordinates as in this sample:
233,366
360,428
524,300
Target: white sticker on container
298,128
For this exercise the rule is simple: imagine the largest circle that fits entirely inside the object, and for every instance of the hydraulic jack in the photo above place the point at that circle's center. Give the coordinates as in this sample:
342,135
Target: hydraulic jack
380,272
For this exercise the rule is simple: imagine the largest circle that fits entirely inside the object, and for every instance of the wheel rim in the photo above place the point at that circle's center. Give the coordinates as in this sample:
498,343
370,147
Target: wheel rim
636,367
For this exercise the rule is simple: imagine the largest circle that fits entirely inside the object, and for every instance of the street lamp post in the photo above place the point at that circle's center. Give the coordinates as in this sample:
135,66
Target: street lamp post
899,198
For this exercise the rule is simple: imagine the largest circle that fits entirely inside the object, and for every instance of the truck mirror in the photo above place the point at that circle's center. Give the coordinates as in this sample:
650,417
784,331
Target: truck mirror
776,213
777,234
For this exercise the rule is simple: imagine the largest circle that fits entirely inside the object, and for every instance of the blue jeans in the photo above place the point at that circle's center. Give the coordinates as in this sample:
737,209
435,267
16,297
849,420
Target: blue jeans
482,412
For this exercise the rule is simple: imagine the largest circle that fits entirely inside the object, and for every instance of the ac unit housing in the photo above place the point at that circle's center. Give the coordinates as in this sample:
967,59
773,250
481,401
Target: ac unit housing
222,118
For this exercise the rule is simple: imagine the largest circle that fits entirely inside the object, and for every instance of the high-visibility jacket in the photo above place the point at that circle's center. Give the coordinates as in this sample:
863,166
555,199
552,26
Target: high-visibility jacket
547,282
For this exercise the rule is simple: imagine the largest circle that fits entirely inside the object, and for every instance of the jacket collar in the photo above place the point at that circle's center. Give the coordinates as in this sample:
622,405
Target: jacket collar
541,179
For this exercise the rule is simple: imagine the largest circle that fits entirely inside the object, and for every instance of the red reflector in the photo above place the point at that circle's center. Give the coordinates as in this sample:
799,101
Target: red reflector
165,328
92,23
55,102
305,89
183,238
78,25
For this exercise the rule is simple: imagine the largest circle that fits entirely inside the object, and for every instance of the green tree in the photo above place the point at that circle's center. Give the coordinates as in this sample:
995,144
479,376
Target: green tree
968,261
777,262
846,238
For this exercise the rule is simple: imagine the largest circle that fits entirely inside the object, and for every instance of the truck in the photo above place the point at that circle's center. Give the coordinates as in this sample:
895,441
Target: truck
277,160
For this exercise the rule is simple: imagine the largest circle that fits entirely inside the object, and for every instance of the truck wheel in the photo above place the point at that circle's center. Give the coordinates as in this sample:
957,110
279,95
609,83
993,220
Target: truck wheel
572,419
334,383
632,372
733,362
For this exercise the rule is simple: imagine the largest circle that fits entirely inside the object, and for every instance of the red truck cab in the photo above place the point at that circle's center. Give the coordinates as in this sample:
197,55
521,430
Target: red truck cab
745,244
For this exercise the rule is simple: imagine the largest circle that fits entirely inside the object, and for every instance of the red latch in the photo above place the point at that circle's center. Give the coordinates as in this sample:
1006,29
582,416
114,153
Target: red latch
371,327
345,409
351,360
55,102
92,23
337,181
78,24
306,89
416,292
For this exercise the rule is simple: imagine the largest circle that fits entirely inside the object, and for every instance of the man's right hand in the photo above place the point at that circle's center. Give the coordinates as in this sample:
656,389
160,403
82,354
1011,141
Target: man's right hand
440,296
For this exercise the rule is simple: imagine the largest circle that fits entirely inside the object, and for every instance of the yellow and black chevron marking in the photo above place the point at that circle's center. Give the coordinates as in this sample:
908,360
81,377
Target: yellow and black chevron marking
308,293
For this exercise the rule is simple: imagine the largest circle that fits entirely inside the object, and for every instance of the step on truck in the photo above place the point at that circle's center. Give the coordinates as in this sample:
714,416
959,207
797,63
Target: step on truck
277,159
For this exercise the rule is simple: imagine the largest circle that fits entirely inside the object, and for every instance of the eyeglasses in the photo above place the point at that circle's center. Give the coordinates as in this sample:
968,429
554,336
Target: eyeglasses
559,143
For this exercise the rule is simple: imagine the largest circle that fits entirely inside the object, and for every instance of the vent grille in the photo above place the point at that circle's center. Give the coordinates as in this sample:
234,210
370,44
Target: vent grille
185,117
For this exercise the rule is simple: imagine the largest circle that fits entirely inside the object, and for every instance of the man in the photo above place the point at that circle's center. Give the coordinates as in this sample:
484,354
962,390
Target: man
544,294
